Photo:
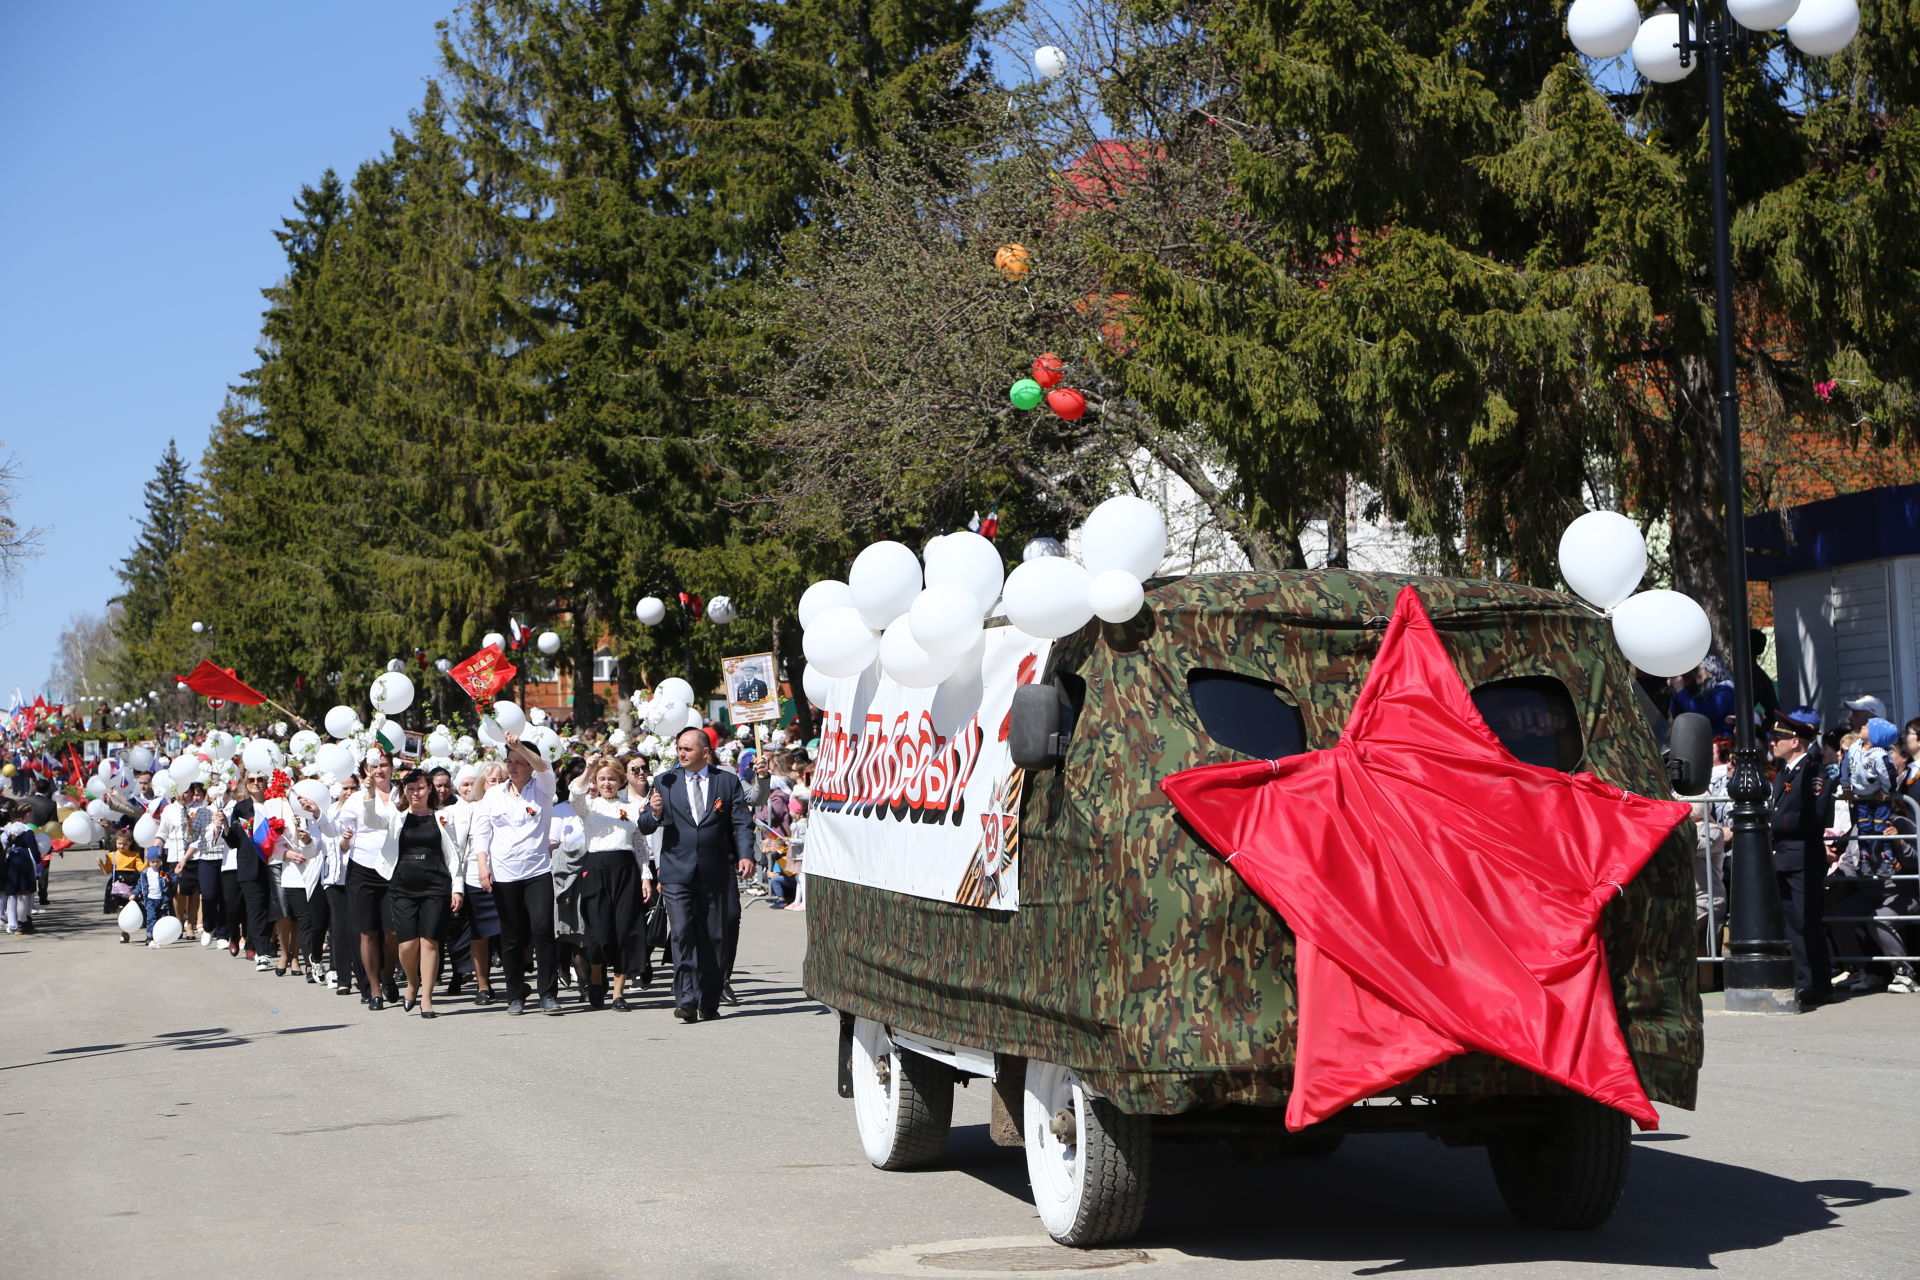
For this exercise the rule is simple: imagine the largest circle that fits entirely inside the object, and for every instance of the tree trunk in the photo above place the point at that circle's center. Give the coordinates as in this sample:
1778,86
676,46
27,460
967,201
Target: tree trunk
1337,524
581,654
1694,500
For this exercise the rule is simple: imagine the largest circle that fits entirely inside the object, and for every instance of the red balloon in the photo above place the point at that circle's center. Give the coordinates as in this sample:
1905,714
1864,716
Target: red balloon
1067,403
1049,369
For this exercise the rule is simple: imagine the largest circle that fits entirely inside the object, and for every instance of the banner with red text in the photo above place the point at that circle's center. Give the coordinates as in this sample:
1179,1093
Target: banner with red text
914,790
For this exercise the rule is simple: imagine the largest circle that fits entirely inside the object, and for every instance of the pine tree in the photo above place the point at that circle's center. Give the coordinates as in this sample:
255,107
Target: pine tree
149,576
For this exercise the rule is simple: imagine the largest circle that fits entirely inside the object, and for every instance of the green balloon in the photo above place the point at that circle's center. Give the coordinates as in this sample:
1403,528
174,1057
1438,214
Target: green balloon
1026,394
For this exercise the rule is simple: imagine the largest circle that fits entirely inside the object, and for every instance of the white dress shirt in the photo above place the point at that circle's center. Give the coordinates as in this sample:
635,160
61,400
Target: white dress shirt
512,829
609,824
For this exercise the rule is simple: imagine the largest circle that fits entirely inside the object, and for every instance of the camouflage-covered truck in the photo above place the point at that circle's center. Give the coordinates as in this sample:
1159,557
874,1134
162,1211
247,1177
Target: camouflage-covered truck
999,888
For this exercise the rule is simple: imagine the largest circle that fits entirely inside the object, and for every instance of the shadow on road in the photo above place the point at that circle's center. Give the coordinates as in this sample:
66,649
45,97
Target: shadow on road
1430,1207
207,1038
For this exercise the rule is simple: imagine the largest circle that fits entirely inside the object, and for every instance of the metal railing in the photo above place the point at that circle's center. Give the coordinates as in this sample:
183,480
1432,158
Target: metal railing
1716,885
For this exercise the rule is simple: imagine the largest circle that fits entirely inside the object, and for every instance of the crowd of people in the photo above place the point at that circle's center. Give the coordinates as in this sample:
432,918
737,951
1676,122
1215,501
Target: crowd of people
1843,801
504,880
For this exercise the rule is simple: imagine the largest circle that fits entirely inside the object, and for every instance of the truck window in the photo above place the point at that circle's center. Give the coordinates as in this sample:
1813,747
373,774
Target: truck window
1253,717
1534,717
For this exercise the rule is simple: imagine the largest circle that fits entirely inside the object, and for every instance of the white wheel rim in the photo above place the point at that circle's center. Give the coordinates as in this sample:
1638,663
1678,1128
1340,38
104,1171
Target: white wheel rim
876,1106
1053,1165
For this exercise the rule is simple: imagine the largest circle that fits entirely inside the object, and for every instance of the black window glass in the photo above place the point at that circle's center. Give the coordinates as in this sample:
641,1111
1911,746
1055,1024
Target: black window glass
1252,717
1534,717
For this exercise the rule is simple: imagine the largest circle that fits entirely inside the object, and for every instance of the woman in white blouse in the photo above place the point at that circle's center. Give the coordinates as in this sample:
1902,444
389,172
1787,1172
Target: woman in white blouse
616,878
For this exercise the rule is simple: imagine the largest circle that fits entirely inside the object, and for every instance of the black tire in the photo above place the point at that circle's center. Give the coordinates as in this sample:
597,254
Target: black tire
1567,1173
1105,1195
903,1102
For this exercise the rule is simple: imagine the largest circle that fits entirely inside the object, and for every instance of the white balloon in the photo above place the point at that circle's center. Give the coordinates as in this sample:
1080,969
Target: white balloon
97,785
1663,633
694,720
342,722
304,742
1115,596
198,627
651,610
99,811
491,733
547,642
167,931
262,756
1047,598
944,619
966,559
720,611
145,830
493,640
666,717
1824,27
1603,28
1603,557
140,760
439,742
674,689
186,770
164,785
334,761
314,790
79,828
1655,54
817,685
509,716
1762,15
885,579
840,643
828,593
1050,61
392,693
132,919
1124,533
907,663
221,745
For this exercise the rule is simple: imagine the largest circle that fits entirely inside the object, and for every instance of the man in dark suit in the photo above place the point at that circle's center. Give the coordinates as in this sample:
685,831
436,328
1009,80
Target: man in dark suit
1799,808
752,689
706,849
252,876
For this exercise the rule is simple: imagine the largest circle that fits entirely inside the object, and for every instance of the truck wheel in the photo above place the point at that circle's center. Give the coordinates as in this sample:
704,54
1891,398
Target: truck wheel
902,1101
1087,1160
1565,1174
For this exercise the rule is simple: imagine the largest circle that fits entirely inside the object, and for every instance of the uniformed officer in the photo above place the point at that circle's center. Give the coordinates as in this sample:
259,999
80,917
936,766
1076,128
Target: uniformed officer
1799,808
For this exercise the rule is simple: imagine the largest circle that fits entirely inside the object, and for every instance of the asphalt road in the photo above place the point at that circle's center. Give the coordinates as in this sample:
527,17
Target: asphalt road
171,1113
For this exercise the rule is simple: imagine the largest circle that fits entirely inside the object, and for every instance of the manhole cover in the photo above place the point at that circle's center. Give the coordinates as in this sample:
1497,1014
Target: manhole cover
1033,1258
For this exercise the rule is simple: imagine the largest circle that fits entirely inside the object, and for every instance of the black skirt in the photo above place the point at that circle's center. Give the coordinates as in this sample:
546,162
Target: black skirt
613,917
421,899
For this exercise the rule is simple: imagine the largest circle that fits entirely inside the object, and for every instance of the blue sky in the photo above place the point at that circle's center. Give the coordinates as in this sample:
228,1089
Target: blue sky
150,151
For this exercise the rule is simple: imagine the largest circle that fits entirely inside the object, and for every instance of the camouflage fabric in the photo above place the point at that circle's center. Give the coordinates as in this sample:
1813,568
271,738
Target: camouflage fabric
1137,956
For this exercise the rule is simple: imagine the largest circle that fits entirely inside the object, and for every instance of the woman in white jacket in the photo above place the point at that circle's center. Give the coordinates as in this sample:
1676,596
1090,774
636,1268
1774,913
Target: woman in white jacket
425,881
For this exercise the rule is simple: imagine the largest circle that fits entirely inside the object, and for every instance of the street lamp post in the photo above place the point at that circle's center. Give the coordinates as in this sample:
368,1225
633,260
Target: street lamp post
1665,47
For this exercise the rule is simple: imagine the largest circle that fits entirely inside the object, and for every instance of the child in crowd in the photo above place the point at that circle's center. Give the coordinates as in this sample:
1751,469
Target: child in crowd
19,869
154,891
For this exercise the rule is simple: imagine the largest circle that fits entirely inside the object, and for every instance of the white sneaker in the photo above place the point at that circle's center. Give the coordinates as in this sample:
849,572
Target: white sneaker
1904,983
206,939
262,965
333,980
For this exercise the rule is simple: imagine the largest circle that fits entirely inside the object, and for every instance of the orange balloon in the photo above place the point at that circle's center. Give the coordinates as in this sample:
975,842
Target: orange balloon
1013,261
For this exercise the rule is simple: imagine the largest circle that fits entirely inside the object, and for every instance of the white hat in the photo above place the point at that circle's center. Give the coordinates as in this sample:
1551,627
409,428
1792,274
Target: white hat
467,773
1868,703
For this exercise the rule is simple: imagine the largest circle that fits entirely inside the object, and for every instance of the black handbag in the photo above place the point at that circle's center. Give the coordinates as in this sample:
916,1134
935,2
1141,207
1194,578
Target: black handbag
656,924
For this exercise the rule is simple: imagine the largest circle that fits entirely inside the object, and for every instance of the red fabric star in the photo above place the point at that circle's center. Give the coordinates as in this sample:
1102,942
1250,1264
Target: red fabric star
1445,896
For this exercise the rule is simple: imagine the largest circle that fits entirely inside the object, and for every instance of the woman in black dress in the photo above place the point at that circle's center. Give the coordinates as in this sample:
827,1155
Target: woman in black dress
426,889
616,881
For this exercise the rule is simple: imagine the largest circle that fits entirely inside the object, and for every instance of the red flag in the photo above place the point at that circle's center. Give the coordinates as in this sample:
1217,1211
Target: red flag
220,682
1428,921
484,674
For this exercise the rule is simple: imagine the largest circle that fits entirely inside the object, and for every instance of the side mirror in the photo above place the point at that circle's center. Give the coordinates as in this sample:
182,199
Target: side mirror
1690,753
1036,730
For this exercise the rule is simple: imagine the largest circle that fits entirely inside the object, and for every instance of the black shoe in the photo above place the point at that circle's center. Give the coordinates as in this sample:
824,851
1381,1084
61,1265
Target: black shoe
686,1013
646,978
453,985
279,973
709,1015
343,991
428,1013
483,996
376,1004
727,996
551,1006
596,996
516,1007
620,1003
391,992
408,1006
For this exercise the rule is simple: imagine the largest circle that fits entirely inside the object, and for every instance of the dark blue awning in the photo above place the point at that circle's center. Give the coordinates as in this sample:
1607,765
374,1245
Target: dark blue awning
1875,524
